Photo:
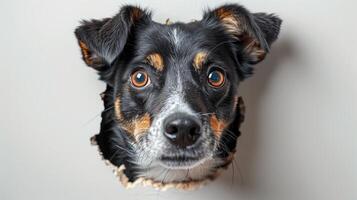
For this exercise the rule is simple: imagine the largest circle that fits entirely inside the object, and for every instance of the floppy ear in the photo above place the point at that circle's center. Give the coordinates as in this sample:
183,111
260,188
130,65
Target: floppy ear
251,33
101,41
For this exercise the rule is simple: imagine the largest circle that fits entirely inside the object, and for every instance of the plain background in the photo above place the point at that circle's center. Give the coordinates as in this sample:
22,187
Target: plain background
299,138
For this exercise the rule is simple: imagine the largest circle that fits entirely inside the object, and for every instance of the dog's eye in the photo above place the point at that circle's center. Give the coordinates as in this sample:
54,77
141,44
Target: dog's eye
216,78
139,78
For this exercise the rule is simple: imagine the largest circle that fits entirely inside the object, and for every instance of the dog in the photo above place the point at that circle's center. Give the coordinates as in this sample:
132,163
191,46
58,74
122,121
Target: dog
172,106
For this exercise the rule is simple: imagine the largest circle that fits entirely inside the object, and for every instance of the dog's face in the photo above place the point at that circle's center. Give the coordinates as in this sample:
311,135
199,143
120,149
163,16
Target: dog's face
172,95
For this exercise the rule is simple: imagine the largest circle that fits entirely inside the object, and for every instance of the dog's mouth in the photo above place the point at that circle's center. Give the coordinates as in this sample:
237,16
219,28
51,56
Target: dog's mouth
175,157
181,161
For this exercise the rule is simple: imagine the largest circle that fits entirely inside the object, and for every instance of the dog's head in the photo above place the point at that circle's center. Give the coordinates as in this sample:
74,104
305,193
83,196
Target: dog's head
172,111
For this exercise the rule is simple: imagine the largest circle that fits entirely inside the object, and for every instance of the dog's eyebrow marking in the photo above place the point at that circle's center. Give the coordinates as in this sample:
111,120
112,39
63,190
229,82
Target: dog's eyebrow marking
217,125
199,60
156,61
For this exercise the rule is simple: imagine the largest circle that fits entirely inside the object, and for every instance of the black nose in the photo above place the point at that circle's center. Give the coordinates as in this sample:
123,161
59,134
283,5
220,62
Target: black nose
182,130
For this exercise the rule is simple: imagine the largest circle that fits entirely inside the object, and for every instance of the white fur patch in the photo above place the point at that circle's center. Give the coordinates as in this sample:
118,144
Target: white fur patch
167,175
175,37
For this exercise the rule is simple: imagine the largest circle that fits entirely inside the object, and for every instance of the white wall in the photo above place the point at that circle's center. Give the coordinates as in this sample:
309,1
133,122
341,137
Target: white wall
299,139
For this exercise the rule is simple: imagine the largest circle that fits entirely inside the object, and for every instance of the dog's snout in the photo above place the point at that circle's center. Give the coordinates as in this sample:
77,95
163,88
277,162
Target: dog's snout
182,130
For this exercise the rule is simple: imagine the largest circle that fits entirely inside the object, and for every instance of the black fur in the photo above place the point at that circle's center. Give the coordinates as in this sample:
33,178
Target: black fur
118,45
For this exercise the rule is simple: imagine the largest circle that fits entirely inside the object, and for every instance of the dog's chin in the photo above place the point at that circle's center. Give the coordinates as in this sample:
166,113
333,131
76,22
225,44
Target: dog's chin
170,169
182,162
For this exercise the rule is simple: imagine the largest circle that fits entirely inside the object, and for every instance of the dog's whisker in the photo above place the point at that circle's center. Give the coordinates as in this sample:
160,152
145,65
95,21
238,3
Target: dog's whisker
208,113
233,174
167,173
97,115
123,149
226,132
221,146
114,155
231,134
236,164
187,173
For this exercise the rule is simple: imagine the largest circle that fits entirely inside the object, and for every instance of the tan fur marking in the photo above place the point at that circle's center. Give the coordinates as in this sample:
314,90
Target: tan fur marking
217,125
156,61
199,59
142,124
138,126
117,110
223,13
230,21
237,29
136,14
253,48
86,53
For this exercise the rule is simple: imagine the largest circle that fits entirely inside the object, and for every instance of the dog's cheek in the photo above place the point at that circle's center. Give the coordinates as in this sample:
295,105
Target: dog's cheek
217,125
135,127
138,126
117,110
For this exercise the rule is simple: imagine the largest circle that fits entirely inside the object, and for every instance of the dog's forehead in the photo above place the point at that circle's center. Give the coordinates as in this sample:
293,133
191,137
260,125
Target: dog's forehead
175,40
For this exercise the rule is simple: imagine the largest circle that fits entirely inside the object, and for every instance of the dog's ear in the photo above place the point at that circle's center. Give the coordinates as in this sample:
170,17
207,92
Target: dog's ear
251,33
101,41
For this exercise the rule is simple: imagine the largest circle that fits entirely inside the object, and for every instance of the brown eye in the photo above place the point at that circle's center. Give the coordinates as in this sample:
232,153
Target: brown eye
216,78
139,79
